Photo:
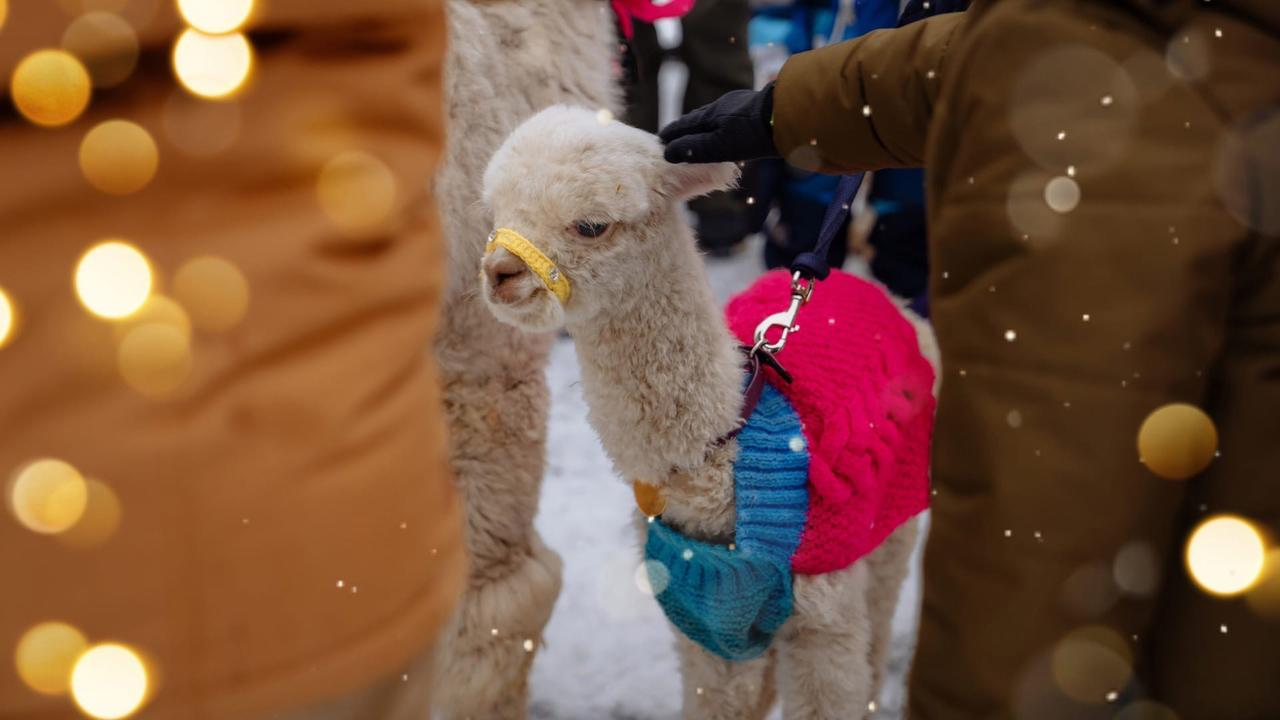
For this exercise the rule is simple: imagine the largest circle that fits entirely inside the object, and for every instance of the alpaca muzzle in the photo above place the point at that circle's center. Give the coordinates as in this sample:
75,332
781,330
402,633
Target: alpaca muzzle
533,258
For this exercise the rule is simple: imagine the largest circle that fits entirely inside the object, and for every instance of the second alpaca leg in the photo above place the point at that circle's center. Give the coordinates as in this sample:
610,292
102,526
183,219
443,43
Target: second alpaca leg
890,564
824,650
497,422
718,689
481,674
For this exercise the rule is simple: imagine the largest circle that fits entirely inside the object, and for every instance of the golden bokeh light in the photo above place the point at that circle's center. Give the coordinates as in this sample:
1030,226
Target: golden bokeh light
215,16
1264,596
100,520
1028,209
4,12
109,681
113,279
48,496
214,291
1089,591
106,44
1062,194
154,359
1091,662
8,318
50,87
1136,569
652,577
157,309
1225,555
212,66
199,128
118,157
357,191
45,655
1177,441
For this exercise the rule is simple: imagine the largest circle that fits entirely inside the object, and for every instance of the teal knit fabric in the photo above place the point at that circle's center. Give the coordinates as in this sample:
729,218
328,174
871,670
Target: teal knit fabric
732,601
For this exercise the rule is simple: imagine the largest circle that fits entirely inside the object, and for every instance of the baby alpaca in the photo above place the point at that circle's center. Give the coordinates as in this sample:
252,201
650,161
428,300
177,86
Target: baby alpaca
594,241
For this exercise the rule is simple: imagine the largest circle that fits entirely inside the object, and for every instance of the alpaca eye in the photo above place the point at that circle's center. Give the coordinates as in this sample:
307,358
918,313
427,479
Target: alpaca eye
590,229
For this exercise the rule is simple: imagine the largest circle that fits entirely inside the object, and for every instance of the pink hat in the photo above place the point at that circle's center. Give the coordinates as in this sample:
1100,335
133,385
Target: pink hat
648,11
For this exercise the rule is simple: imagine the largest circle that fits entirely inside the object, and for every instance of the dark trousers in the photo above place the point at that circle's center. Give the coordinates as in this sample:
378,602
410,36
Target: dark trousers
714,48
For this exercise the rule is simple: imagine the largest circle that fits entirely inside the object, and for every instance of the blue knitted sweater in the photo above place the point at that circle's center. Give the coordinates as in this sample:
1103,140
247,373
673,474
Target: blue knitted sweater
732,601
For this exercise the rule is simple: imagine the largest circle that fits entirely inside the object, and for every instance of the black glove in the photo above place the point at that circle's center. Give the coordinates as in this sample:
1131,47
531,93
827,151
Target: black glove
737,126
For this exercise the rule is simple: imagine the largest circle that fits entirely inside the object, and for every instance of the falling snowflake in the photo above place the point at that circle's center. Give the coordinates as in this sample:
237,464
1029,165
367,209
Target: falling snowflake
1010,335
528,645
866,111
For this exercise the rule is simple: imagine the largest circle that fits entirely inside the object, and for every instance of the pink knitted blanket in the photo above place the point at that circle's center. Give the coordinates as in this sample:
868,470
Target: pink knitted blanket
864,394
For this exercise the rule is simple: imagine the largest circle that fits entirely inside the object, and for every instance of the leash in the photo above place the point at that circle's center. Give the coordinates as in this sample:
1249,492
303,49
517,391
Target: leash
807,270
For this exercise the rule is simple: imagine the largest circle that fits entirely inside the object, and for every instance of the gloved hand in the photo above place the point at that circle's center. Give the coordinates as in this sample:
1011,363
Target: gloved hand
737,126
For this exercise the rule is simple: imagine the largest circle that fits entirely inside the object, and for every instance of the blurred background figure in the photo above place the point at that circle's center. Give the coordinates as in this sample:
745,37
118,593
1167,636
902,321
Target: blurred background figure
226,484
887,223
713,46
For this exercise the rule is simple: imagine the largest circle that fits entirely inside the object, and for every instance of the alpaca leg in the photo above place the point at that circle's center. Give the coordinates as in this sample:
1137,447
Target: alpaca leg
889,566
824,650
485,655
718,689
497,423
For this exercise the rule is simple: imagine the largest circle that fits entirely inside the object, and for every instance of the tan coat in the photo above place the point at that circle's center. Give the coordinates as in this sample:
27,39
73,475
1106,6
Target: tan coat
289,530
1060,330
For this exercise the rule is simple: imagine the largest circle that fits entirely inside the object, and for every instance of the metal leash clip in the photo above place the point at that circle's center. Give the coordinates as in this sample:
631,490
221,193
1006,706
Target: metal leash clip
763,350
800,293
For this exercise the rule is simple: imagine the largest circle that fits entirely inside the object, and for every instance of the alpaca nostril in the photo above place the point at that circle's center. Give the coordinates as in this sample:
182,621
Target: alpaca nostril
500,269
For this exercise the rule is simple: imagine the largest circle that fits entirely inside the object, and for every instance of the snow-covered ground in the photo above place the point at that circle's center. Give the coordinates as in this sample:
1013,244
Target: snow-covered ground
609,652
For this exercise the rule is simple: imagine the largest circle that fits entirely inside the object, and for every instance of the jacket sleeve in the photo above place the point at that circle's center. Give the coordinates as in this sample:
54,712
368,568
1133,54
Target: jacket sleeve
863,104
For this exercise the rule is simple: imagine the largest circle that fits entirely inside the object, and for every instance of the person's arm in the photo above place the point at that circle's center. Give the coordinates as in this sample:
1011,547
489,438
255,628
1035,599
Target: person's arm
863,104
815,116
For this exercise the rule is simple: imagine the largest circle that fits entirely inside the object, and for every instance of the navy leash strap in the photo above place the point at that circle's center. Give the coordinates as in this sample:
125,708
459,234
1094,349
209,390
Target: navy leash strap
806,270
813,263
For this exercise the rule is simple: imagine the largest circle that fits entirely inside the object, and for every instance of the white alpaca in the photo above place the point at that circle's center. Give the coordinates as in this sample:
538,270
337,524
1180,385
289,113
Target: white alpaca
663,380
507,59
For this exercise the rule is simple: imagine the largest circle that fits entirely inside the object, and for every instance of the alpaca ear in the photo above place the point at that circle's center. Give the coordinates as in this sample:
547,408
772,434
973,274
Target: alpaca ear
688,180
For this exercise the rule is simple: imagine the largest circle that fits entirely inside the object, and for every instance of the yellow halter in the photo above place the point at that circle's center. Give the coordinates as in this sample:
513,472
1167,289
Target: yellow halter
533,258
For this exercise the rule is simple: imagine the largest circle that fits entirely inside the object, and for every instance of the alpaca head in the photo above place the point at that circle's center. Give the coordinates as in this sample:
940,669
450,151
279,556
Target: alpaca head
593,211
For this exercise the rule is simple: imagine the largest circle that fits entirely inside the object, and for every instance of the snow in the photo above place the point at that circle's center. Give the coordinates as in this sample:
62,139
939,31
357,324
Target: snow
609,652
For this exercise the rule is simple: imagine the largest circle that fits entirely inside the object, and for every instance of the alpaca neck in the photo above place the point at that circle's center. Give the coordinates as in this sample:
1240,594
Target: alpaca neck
663,378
